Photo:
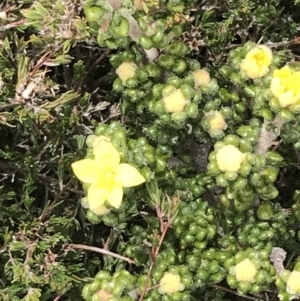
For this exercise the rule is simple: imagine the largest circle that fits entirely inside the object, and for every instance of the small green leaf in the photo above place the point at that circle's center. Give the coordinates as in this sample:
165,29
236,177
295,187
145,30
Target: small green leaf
63,59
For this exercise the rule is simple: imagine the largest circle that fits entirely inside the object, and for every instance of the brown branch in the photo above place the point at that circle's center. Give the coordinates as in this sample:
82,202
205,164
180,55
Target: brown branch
58,297
10,105
234,292
99,250
165,226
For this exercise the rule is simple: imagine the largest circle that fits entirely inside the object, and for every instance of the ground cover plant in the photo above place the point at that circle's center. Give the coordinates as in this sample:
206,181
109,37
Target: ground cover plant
149,150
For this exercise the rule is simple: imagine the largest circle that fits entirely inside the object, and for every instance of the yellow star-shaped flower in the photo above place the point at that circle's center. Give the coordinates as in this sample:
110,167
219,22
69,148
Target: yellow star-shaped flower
106,175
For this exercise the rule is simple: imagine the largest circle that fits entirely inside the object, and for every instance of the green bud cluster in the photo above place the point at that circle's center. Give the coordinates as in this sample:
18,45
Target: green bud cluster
247,174
140,242
207,265
290,133
175,102
193,187
153,33
214,123
146,157
256,94
228,244
135,79
161,135
120,286
139,152
269,228
232,106
250,271
110,23
195,225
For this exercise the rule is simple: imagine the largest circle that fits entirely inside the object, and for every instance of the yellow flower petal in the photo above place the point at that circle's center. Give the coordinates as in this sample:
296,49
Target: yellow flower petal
285,86
263,71
284,72
250,68
128,175
276,88
286,99
86,170
106,155
115,197
97,196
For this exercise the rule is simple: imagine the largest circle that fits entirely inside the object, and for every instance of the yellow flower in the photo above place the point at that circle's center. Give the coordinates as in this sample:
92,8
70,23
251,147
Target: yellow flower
170,283
216,121
126,70
257,61
293,283
285,86
201,78
106,176
174,100
245,271
229,158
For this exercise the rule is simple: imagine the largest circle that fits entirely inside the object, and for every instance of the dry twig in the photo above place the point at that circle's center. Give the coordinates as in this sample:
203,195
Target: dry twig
98,250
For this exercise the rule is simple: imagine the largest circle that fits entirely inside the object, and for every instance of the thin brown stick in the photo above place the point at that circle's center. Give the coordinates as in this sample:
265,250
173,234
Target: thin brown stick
58,297
153,287
234,292
10,105
165,226
99,250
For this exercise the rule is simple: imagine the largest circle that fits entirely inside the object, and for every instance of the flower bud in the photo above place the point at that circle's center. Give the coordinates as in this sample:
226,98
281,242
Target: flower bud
170,283
229,158
293,283
126,71
201,78
245,271
174,100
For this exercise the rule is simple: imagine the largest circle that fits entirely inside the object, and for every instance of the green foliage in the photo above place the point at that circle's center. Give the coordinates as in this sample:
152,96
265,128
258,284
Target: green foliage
167,83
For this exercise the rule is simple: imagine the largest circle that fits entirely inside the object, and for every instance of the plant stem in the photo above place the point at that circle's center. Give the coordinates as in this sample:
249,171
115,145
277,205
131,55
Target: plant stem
99,250
234,292
166,226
